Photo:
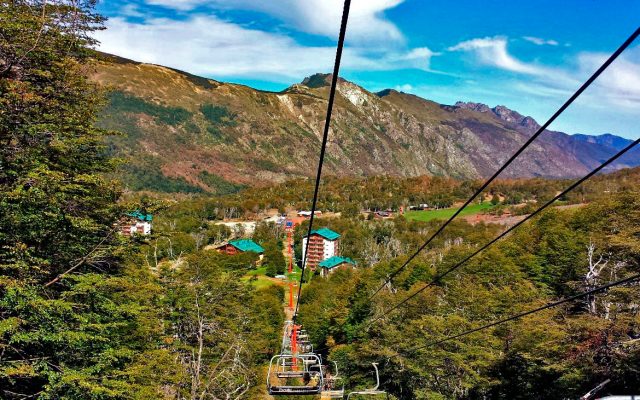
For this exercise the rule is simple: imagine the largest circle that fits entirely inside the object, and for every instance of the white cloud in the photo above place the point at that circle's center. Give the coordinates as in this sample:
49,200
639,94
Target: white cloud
182,5
619,84
207,45
367,22
131,10
407,88
540,41
493,51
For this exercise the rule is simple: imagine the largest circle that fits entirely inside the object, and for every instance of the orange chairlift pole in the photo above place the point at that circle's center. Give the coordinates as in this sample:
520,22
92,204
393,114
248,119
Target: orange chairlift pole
289,228
291,296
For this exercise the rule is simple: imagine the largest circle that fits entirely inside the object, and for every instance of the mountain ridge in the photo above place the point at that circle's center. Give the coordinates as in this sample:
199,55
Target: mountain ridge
207,134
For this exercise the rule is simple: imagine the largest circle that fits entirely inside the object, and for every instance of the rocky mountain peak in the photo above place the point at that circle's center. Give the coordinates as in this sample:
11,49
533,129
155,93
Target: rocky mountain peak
320,80
527,124
317,80
479,107
507,114
386,92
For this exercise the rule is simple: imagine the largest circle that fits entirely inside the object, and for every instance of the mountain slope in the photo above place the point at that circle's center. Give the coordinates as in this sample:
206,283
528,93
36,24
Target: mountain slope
186,133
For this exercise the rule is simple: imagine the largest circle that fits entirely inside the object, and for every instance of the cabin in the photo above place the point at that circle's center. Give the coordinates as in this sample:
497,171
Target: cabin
332,264
323,244
136,223
307,214
237,246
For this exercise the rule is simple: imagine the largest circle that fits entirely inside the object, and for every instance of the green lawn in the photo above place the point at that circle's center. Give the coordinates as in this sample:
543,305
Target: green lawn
257,271
262,280
445,213
259,283
295,275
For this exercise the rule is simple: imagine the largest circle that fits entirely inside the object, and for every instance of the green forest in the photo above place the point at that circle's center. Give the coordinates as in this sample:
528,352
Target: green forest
88,313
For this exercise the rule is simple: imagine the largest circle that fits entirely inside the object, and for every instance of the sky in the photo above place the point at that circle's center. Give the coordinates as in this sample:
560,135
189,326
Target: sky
527,55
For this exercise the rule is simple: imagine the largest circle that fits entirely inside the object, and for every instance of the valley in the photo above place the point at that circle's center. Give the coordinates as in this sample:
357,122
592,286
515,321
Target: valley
169,236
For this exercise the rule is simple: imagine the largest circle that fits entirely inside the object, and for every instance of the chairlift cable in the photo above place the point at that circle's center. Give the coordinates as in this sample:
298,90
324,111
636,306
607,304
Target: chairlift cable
540,130
526,313
439,277
332,93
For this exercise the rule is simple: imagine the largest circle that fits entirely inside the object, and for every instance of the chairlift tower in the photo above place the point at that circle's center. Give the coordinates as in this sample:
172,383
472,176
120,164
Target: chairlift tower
289,229
291,289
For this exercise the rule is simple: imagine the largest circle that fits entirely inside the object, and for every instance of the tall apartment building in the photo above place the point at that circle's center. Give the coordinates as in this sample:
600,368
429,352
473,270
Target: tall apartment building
323,244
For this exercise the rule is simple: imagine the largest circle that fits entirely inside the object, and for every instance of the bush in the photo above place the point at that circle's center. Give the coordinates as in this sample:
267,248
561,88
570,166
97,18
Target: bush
120,103
217,115
220,185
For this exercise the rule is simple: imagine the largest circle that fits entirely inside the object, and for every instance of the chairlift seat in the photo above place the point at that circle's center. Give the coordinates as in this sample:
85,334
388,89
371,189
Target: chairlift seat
288,364
294,390
291,374
367,393
333,394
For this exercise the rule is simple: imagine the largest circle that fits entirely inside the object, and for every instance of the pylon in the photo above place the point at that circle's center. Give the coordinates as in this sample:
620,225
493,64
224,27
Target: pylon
290,242
291,296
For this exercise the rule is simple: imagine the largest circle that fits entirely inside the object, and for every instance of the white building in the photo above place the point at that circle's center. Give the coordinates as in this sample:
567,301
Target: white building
323,244
138,223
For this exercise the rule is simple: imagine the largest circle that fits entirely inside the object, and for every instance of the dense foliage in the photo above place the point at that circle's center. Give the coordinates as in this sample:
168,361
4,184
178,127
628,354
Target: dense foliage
84,312
568,350
350,196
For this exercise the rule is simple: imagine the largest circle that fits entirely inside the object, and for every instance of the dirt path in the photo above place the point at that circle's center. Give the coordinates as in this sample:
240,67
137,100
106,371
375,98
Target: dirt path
509,219
505,219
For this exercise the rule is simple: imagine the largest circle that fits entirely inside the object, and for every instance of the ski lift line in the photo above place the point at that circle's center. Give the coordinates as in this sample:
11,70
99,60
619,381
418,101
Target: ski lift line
540,130
526,313
537,211
517,316
325,135
439,277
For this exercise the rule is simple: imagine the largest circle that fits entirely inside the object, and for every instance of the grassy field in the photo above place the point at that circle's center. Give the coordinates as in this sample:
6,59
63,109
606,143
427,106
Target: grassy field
260,282
295,275
258,277
445,213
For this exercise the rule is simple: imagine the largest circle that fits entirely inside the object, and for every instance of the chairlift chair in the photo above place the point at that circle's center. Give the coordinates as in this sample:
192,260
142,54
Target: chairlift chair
330,382
285,366
309,382
373,391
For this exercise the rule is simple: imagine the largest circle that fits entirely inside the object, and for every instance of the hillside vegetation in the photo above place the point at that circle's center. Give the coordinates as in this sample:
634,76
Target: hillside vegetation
571,349
84,313
183,133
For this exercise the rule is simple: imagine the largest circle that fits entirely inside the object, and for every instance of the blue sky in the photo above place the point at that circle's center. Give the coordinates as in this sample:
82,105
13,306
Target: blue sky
527,55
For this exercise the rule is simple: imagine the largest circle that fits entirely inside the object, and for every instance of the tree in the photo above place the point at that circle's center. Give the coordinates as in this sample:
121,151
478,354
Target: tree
273,259
218,326
68,331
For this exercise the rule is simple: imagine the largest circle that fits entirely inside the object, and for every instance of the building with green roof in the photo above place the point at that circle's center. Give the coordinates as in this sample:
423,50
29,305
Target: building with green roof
241,246
326,233
334,263
137,214
137,223
323,244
